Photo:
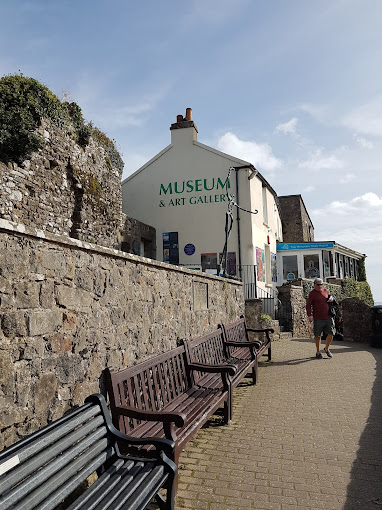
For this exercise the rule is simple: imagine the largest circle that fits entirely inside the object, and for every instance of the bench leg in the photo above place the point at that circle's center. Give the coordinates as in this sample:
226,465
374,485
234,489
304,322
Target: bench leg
227,412
269,352
254,372
177,453
168,503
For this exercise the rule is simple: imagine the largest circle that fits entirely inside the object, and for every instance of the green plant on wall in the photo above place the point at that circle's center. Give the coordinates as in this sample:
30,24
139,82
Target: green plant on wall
362,270
112,158
94,186
349,288
265,318
23,103
360,290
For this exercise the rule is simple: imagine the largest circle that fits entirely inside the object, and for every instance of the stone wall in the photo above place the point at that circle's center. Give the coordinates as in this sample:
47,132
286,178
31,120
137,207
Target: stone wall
293,316
69,309
134,234
357,321
253,311
297,225
64,189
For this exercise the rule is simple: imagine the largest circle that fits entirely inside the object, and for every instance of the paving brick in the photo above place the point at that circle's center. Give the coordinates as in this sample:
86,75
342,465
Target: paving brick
307,436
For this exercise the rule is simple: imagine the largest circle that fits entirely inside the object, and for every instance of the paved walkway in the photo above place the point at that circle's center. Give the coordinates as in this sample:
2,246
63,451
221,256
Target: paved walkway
308,436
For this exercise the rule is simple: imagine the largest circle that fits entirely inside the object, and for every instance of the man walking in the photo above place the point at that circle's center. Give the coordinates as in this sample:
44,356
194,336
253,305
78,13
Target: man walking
317,308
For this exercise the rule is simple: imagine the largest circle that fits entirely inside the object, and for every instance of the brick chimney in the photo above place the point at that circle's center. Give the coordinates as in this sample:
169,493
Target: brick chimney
184,123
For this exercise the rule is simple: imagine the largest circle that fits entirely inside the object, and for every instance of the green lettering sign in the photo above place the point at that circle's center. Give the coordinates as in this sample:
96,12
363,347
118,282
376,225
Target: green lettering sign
162,188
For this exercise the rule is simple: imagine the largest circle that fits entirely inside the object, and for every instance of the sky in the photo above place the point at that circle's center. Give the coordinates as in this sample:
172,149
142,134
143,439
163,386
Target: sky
294,87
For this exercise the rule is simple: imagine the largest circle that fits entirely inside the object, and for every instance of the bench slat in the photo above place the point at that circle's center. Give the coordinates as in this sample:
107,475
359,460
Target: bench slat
34,490
78,445
102,486
49,460
135,493
31,445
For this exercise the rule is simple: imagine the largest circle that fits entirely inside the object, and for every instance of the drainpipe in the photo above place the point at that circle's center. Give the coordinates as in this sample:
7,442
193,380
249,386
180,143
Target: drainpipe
238,217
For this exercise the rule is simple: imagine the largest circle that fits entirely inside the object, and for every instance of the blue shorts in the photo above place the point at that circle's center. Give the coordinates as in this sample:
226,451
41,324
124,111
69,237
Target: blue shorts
323,326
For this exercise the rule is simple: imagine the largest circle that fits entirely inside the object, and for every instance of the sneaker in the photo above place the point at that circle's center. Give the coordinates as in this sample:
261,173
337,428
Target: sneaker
318,355
328,353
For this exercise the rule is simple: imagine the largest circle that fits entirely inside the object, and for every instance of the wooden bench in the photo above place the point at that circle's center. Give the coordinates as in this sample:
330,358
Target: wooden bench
45,468
237,336
214,350
167,397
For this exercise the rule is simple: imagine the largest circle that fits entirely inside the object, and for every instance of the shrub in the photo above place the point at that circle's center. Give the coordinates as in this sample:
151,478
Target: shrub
360,290
23,103
349,288
265,318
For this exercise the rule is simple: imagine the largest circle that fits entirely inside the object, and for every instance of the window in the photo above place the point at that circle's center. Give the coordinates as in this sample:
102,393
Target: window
209,263
290,269
326,261
346,267
265,205
311,266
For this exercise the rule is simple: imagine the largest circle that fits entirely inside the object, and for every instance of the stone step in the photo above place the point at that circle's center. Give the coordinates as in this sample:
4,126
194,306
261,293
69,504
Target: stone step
285,335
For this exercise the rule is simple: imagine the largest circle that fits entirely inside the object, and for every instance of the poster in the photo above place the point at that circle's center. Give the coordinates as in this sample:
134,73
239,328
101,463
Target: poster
273,267
259,265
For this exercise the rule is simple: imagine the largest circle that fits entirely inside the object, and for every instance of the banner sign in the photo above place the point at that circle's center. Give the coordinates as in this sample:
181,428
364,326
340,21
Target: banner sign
303,246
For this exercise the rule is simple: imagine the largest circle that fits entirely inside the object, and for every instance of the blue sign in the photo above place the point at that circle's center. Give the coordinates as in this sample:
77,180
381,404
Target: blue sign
303,246
189,249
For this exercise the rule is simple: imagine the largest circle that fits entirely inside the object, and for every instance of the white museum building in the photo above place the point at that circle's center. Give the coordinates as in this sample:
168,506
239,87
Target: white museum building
189,191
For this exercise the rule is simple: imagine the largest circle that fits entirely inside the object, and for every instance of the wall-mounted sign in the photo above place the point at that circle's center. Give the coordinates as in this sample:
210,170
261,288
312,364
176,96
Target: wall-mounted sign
170,247
174,194
303,246
189,249
291,276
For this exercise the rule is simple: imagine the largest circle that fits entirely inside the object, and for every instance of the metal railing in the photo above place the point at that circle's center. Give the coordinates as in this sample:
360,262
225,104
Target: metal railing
269,297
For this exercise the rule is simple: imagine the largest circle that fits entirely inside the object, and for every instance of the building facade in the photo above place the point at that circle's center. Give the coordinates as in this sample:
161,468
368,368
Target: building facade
327,260
187,193
297,225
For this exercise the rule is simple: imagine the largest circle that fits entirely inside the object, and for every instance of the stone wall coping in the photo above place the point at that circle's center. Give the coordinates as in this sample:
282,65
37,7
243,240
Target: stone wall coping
21,229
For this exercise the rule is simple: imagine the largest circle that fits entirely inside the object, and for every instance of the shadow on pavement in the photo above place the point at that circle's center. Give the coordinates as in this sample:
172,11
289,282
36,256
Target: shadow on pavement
365,488
364,491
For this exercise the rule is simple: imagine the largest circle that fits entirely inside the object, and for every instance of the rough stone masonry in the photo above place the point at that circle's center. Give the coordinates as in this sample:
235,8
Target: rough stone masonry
69,309
64,189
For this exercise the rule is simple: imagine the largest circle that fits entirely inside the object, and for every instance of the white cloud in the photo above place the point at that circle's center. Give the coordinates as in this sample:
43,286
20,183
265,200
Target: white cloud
317,161
287,127
366,119
309,189
133,162
367,206
355,224
127,115
318,112
363,142
259,154
345,179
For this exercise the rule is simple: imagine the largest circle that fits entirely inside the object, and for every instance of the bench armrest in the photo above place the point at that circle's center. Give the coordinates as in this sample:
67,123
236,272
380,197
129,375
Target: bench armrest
165,445
266,330
139,414
202,367
255,343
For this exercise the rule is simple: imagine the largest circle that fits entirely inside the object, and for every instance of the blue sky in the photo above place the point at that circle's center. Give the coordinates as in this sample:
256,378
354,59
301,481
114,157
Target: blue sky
294,87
